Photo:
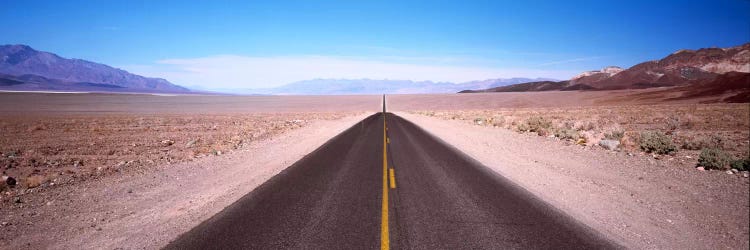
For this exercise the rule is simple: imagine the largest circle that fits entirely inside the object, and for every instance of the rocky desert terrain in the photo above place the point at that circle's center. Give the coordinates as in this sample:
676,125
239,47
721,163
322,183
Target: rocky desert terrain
90,167
136,171
702,72
670,174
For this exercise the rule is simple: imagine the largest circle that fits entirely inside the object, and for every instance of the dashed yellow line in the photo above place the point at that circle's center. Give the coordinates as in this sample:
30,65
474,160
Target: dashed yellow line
384,235
393,179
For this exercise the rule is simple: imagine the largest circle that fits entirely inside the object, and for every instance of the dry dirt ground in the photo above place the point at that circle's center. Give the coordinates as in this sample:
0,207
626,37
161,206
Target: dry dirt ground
642,200
691,126
58,149
134,171
548,99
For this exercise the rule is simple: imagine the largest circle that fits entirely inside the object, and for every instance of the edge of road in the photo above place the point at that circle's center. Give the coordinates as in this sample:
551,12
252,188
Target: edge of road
163,207
537,201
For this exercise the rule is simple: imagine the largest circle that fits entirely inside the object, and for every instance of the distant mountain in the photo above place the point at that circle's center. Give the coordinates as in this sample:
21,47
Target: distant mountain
532,87
679,68
369,86
685,67
38,70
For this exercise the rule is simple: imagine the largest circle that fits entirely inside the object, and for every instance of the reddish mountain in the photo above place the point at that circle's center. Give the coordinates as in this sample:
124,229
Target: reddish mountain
736,84
533,86
680,68
707,71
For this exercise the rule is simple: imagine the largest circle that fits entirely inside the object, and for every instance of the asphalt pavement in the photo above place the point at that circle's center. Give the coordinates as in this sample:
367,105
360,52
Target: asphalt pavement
435,198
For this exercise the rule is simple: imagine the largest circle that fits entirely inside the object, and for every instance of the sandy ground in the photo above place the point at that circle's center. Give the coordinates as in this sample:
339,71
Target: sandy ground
638,201
691,127
135,171
86,103
560,99
155,206
54,149
48,139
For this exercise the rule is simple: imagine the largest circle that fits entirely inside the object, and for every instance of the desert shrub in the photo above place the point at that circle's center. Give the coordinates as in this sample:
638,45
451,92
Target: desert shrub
614,135
569,124
480,121
426,113
498,121
714,141
672,122
537,124
741,164
566,133
523,127
588,126
656,142
714,158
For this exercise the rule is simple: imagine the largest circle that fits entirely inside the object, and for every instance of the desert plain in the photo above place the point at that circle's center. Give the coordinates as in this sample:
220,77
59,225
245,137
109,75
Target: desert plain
136,171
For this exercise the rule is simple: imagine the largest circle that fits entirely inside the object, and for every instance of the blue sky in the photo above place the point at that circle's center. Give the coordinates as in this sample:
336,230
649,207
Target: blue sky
268,43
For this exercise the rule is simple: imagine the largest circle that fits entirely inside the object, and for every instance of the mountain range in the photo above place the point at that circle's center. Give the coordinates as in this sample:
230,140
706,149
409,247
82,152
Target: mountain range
25,69
371,86
710,70
718,69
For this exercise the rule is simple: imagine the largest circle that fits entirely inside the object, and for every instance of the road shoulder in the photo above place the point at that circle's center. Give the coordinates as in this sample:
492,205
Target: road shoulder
635,201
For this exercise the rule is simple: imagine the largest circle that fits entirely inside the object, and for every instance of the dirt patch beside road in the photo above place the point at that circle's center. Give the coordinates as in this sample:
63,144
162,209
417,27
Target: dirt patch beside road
60,149
689,127
103,171
146,209
634,199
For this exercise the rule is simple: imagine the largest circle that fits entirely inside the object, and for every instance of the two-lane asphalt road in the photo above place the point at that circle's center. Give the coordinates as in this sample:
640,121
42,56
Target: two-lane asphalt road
414,193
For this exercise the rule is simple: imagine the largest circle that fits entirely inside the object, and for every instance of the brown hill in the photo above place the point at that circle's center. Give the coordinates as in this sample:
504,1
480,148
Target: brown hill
534,86
679,68
734,84
708,71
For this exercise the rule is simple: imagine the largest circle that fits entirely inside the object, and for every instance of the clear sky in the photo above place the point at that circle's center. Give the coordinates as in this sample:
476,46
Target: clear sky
268,43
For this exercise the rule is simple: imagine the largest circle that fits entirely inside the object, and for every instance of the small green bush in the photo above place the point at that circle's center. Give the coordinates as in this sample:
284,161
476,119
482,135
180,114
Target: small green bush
657,142
741,164
714,158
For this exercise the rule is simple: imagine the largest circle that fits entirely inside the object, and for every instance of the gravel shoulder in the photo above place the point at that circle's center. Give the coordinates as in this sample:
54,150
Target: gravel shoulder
635,200
148,209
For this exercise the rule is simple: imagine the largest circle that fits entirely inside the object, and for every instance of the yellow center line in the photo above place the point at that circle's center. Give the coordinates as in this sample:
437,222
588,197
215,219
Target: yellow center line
384,236
393,179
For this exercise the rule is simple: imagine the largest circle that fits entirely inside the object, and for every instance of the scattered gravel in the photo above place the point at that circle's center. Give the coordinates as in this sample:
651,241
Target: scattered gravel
149,207
635,199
